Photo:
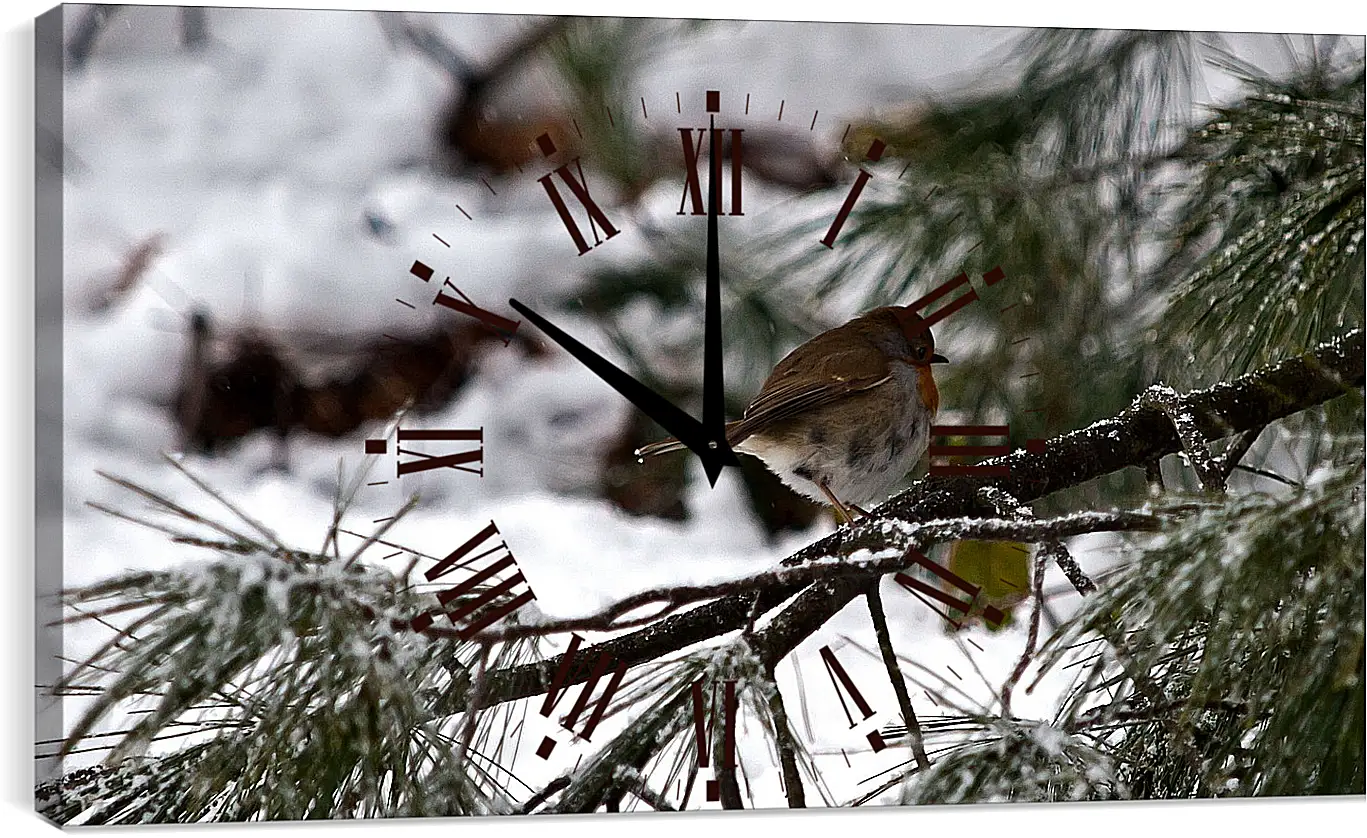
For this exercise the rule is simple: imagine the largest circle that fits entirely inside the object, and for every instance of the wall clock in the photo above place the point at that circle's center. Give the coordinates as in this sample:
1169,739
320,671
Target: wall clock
480,582
437,575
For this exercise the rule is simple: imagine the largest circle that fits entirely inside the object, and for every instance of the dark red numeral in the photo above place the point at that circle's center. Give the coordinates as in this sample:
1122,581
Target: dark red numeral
990,613
504,327
478,606
700,731
992,277
578,187
426,461
944,469
841,679
692,151
601,666
875,153
501,325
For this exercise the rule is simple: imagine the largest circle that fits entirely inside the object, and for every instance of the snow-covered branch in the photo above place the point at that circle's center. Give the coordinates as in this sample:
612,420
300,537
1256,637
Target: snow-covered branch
888,542
1140,434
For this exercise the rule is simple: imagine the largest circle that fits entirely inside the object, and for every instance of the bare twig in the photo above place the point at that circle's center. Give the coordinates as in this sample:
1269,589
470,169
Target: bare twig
134,268
265,532
899,684
1066,563
1208,469
1237,449
554,786
1037,593
787,748
477,692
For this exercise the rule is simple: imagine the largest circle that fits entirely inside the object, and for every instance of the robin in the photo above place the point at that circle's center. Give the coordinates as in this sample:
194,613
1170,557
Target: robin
846,415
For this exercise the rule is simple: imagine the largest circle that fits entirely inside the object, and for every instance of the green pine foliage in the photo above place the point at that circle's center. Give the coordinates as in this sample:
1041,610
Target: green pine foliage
1249,620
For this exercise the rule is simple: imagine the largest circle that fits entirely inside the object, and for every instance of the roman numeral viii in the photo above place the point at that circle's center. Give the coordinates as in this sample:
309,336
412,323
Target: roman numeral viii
490,591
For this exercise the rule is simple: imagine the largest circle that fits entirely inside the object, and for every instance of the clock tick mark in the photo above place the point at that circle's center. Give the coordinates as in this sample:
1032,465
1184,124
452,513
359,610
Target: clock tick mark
379,483
955,674
644,115
464,213
1030,375
403,303
974,645
485,181
395,553
440,239
904,171
747,104
678,103
843,136
1008,308
813,125
1020,340
781,103
421,271
382,520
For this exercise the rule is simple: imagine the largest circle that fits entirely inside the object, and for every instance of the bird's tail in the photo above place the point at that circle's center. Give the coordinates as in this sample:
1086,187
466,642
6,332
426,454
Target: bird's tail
733,437
661,447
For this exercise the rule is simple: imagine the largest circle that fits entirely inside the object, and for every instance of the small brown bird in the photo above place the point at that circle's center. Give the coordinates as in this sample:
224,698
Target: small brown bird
845,415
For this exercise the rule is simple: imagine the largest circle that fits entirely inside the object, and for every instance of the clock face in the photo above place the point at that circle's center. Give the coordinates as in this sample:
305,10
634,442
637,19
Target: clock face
517,406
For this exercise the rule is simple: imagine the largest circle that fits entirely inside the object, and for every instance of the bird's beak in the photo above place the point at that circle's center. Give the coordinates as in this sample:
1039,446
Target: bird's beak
937,358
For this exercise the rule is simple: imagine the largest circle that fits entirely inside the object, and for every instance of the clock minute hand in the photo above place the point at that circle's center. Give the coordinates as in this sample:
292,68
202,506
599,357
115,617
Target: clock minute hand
714,388
683,427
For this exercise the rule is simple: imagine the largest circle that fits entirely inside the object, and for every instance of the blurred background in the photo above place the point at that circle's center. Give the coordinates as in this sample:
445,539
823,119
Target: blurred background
247,189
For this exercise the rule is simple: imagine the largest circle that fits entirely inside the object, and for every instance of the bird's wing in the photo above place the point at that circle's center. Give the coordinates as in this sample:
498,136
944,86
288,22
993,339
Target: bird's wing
831,374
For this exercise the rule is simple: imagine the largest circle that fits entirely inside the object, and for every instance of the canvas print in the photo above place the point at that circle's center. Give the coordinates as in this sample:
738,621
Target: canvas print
473,414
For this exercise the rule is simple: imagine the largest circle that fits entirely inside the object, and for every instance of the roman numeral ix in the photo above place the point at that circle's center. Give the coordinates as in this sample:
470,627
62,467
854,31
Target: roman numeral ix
579,188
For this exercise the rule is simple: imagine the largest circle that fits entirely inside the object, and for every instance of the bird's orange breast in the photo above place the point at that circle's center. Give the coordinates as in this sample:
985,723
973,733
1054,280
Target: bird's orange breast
925,383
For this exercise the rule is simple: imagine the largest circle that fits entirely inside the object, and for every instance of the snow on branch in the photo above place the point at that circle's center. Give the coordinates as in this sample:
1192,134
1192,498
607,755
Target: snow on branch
889,541
1137,435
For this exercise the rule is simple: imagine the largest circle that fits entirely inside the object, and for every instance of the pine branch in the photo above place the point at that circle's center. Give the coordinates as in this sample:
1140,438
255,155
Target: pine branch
1139,434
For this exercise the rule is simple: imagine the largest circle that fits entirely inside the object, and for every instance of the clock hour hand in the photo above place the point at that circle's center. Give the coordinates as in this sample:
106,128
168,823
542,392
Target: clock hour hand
683,427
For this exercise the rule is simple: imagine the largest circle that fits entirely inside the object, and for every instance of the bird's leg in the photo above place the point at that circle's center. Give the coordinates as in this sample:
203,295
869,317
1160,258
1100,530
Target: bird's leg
842,513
